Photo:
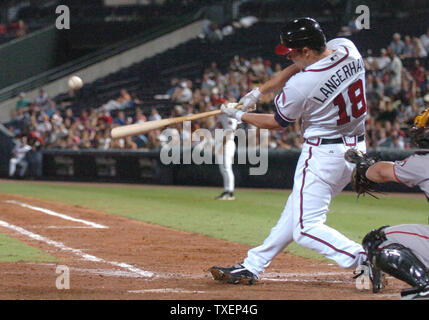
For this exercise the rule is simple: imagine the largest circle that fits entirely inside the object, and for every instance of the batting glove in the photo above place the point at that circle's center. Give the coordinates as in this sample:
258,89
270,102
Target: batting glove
230,109
249,100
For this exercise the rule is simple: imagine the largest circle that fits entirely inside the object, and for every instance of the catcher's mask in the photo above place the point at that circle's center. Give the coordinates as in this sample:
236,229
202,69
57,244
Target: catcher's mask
420,131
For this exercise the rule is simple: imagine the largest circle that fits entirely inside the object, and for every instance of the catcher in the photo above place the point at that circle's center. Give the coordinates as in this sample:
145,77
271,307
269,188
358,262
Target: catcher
413,171
401,251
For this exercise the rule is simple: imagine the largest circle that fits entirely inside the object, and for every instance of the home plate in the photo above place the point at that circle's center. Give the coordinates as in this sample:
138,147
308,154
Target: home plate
165,290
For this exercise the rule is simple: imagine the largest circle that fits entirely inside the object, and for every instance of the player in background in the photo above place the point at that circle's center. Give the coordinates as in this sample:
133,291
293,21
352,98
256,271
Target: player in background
325,88
226,150
18,158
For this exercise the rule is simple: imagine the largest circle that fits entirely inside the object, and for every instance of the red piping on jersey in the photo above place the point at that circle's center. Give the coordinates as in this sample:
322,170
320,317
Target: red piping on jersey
329,245
409,233
396,177
327,68
302,188
278,109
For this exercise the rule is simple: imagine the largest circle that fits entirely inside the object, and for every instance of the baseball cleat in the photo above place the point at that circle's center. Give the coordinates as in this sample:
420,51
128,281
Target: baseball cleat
376,276
234,275
226,196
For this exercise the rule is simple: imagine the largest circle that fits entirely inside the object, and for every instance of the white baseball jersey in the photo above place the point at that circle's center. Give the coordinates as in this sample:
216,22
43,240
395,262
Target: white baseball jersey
20,152
414,171
328,95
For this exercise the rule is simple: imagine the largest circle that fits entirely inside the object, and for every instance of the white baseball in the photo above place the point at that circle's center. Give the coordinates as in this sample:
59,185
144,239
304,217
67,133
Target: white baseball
75,82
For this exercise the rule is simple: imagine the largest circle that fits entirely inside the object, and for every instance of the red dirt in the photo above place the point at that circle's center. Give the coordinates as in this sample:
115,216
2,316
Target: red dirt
179,260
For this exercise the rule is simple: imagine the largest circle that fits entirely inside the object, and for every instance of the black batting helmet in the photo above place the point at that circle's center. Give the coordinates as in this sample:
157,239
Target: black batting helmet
420,131
300,33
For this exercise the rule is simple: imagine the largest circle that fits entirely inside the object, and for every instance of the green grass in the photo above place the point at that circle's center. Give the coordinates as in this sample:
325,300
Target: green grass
12,250
246,220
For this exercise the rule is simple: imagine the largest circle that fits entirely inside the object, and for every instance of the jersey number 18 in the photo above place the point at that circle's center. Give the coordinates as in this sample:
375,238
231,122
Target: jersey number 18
356,96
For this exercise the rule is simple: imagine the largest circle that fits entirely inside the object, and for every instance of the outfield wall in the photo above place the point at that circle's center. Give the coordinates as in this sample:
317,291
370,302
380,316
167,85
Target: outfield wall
145,167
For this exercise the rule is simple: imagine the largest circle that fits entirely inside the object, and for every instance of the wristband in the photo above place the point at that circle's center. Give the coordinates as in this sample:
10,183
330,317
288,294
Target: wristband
239,114
258,93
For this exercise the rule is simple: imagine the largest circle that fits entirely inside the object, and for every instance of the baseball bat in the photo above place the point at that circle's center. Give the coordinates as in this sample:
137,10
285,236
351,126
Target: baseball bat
140,128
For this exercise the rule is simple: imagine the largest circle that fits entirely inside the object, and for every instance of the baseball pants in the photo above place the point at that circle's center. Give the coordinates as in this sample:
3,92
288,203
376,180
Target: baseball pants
321,173
226,166
13,162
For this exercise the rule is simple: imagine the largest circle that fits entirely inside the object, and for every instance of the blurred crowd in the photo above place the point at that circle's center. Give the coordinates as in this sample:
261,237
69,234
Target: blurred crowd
12,29
397,89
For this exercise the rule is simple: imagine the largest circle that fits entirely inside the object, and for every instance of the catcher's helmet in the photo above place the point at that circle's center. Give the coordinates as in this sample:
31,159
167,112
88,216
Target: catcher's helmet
300,33
420,131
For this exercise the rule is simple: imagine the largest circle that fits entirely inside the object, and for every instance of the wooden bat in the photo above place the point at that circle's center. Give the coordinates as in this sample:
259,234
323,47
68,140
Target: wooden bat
140,128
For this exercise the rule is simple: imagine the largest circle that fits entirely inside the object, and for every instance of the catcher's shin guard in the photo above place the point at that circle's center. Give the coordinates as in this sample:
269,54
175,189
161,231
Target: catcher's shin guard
401,263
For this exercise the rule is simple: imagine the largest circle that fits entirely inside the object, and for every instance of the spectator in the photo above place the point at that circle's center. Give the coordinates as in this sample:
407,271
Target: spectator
22,29
419,51
122,102
51,109
383,61
42,100
154,115
174,84
182,94
22,102
395,71
120,118
424,38
214,33
408,47
397,45
418,72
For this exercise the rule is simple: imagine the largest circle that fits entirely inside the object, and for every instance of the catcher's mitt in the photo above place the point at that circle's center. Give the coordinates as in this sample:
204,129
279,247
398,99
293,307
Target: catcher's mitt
360,183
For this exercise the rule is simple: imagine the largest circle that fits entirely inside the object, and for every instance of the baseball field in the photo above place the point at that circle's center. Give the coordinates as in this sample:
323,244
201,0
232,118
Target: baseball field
148,242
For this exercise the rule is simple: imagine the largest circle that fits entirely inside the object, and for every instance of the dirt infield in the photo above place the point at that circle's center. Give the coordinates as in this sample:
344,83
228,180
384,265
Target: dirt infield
111,257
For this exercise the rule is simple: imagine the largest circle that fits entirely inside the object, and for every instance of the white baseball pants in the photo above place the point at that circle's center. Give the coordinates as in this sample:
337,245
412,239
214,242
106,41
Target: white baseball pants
13,162
321,173
226,167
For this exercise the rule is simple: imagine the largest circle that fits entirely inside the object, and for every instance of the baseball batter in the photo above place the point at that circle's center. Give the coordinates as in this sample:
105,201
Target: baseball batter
226,150
325,87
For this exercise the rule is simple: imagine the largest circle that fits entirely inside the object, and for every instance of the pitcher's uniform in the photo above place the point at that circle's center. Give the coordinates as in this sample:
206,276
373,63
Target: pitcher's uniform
225,164
329,97
414,171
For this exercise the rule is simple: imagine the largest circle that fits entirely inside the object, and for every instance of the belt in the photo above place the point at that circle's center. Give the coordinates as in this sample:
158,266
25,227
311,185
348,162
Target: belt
344,140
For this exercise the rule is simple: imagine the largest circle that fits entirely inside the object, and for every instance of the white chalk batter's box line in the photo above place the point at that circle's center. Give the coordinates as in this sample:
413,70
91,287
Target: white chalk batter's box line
56,214
78,252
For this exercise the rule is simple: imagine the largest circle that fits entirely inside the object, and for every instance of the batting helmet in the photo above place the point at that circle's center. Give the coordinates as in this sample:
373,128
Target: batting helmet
300,33
420,131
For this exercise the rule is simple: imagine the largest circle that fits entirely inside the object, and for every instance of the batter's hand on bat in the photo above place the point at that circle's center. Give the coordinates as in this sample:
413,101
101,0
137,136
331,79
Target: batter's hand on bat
235,110
250,99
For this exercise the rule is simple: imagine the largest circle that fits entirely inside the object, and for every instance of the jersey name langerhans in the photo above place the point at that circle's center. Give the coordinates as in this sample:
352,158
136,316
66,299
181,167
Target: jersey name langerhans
339,76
